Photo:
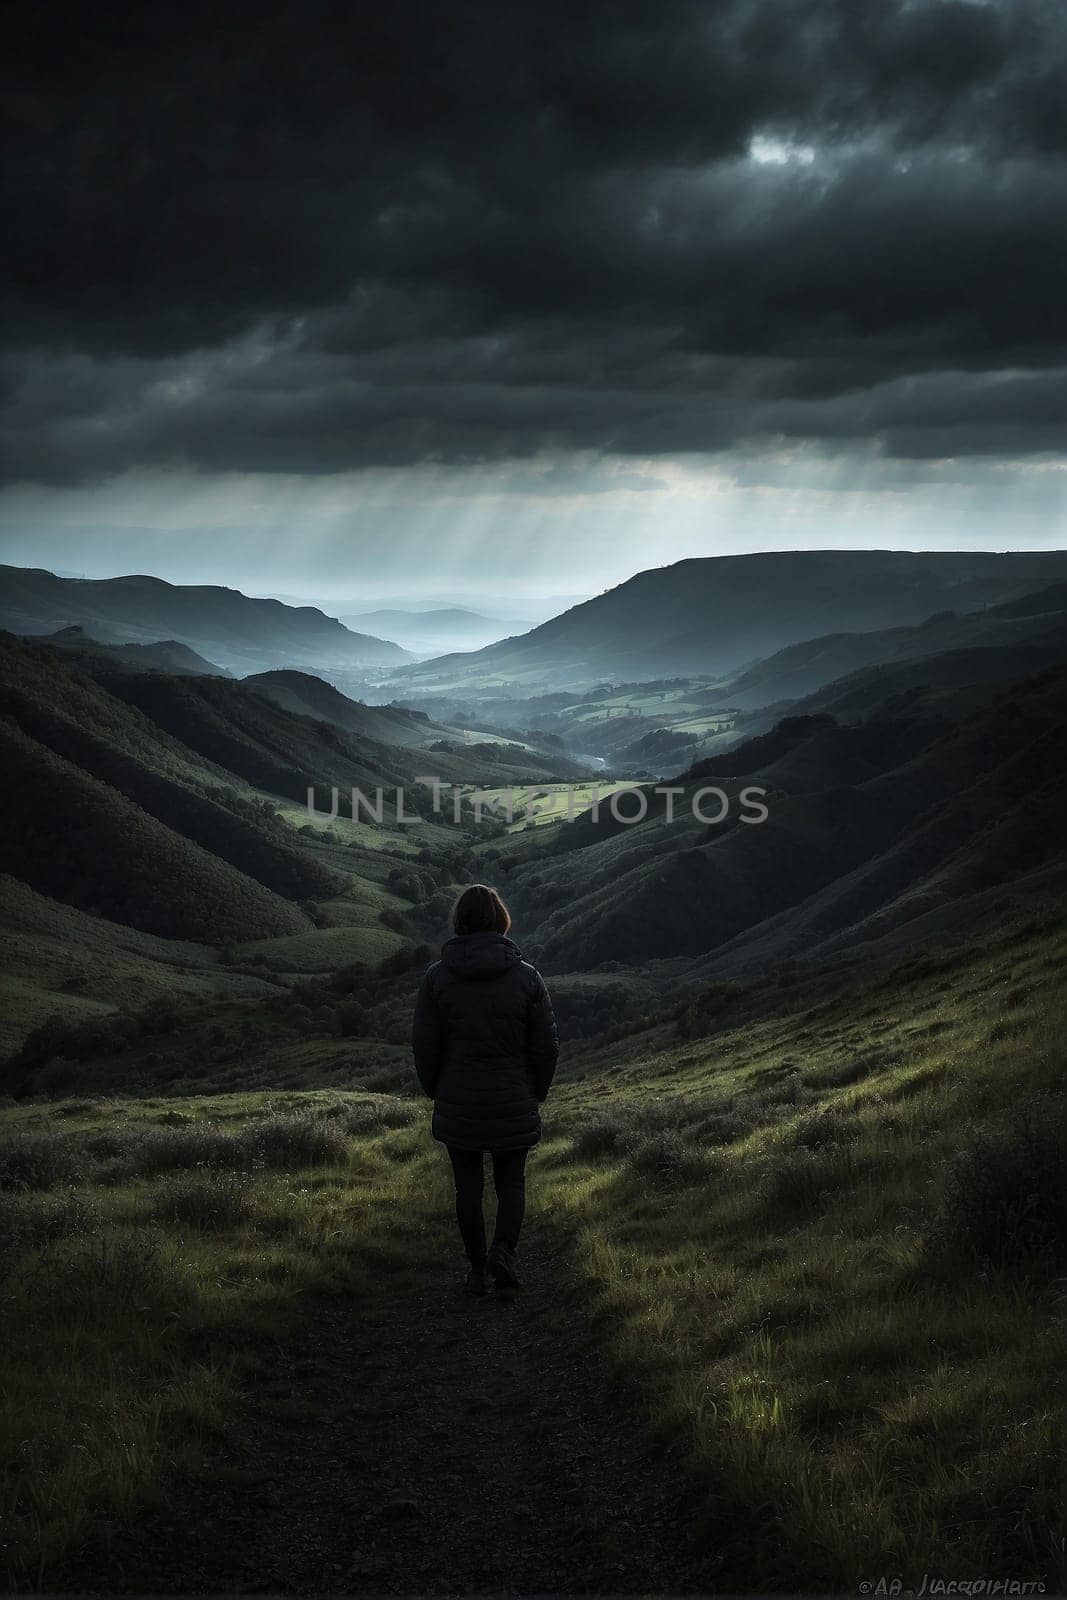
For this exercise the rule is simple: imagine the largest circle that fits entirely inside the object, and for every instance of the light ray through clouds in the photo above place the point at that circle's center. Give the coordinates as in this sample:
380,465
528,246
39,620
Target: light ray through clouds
521,527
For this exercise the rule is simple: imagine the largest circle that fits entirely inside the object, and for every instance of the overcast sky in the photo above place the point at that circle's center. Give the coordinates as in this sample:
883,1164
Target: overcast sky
333,299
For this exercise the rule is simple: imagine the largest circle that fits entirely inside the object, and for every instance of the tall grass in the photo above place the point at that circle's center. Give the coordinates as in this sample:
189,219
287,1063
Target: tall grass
142,1270
848,1314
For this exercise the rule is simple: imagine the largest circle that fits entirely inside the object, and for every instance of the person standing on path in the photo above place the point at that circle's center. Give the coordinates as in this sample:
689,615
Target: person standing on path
486,1046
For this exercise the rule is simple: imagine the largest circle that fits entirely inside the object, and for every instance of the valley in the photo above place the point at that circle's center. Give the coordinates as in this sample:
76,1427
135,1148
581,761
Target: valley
803,1168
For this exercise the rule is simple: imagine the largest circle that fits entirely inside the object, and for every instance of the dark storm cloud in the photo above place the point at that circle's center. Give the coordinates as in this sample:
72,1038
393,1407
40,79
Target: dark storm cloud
306,238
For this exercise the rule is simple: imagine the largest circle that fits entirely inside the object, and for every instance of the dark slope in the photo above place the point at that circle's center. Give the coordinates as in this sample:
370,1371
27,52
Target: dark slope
231,725
309,696
1037,622
165,655
80,841
77,720
862,822
241,632
424,746
716,613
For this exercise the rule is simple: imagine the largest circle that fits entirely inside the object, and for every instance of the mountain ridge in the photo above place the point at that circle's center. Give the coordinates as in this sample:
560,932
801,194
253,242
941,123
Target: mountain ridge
241,632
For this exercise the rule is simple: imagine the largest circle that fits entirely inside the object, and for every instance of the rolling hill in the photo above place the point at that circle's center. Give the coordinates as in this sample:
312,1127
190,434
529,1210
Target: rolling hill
437,629
717,613
243,634
1036,622
909,817
458,755
165,655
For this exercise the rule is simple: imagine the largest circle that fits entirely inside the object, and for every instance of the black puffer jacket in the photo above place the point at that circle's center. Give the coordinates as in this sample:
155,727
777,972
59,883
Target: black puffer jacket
485,1044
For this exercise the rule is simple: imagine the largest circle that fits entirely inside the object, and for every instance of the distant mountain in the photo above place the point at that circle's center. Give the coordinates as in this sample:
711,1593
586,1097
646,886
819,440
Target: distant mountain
166,655
244,634
717,613
441,620
448,628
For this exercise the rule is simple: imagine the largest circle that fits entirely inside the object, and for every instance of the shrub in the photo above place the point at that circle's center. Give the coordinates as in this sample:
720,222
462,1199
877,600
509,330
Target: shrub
798,1179
41,1161
112,1281
203,1200
726,1124
1003,1194
371,1116
304,1140
27,1220
828,1125
350,1020
600,1137
154,1151
107,1143
392,1080
668,1158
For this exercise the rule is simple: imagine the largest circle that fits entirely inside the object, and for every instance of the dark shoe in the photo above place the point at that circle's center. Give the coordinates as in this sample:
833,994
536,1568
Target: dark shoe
477,1281
501,1264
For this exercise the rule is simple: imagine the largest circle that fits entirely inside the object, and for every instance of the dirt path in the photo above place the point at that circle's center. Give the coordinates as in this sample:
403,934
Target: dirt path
449,1445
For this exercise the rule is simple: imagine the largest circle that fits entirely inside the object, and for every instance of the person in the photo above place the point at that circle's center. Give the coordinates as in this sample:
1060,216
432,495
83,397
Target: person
486,1046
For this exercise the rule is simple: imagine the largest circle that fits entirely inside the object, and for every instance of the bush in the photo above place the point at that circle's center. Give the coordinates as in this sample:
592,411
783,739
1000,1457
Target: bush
202,1200
798,1179
1003,1195
371,1116
726,1124
395,1080
111,1281
350,1020
41,1161
154,1151
668,1158
828,1125
600,1137
27,1221
304,1140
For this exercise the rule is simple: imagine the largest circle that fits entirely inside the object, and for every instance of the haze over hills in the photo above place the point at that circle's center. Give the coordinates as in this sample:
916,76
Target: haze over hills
715,614
165,655
224,625
436,630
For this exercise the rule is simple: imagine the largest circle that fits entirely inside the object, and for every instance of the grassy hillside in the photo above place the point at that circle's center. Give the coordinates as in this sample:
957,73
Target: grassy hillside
65,830
454,755
1025,634
718,613
867,819
831,1239
820,1237
803,1172
60,963
75,718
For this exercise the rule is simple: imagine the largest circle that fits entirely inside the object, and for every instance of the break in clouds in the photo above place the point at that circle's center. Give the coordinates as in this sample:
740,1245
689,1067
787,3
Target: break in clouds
309,239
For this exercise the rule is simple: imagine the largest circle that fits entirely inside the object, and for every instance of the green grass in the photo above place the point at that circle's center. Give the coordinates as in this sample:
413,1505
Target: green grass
136,1308
853,1397
542,804
771,1219
324,949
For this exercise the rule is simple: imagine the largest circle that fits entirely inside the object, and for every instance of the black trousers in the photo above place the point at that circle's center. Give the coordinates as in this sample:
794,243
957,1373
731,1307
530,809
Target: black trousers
509,1180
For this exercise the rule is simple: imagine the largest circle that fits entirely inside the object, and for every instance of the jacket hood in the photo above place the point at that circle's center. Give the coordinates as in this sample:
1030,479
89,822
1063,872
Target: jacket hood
480,955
